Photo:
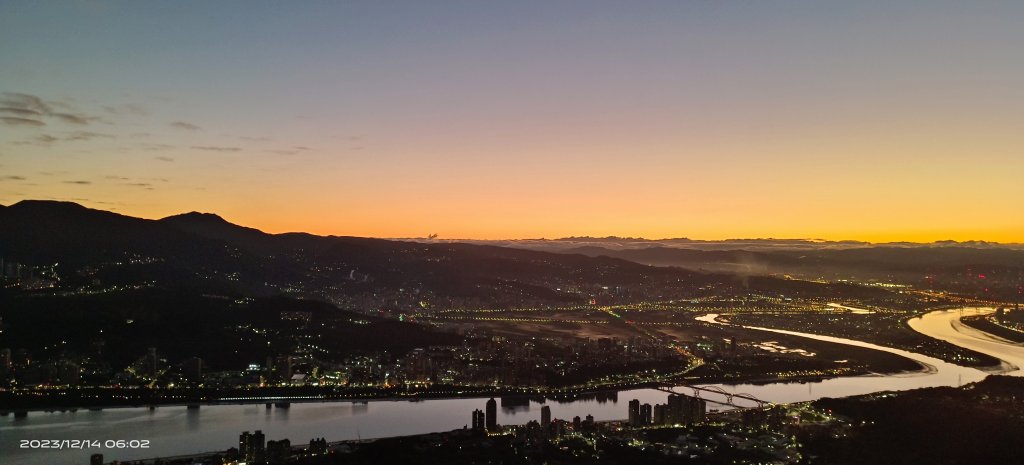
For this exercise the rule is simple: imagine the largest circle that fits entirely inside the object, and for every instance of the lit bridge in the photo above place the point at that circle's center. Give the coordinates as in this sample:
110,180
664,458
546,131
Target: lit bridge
730,397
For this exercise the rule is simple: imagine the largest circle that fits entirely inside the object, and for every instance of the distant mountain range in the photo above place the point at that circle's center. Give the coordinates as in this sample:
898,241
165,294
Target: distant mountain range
613,242
202,249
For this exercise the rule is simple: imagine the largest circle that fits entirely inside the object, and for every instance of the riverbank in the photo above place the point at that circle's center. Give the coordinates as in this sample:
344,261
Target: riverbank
985,324
64,400
883,329
947,325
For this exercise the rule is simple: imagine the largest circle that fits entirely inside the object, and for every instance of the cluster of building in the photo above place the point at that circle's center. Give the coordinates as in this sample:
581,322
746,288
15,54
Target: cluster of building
679,410
255,448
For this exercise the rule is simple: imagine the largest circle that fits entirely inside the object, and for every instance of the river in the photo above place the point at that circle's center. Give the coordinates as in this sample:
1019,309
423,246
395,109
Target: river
946,325
175,430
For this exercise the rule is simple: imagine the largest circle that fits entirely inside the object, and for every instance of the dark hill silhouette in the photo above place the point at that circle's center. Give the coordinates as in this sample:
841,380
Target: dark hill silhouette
211,249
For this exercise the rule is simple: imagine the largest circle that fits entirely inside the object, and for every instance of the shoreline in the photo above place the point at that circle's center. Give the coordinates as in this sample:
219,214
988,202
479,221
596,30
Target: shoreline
422,396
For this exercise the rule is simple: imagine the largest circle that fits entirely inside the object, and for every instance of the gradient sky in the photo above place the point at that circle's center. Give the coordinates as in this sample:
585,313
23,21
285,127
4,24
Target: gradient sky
872,120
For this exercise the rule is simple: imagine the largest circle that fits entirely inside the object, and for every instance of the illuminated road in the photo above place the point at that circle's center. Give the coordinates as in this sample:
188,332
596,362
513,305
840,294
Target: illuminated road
945,325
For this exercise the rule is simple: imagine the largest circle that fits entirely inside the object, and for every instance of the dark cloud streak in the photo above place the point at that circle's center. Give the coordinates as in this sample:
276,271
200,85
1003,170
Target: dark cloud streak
13,121
31,105
20,111
185,125
216,149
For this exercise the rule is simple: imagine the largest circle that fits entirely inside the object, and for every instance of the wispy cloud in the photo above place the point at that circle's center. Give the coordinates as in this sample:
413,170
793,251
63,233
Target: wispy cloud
185,125
283,152
25,102
216,148
126,181
12,178
156,146
135,109
20,111
33,106
292,151
167,159
83,183
42,140
47,139
73,119
86,135
15,121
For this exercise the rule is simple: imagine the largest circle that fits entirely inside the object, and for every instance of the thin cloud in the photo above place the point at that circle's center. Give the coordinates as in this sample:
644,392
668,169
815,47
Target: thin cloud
167,159
156,147
14,121
25,102
83,183
215,148
42,140
127,109
32,105
185,125
283,152
86,135
47,139
20,111
13,178
73,119
117,178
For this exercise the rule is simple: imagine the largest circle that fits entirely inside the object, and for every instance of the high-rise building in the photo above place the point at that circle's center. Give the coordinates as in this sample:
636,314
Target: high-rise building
192,369
545,420
479,420
634,412
576,423
675,413
492,415
278,451
243,444
645,414
152,362
258,446
252,447
658,417
698,409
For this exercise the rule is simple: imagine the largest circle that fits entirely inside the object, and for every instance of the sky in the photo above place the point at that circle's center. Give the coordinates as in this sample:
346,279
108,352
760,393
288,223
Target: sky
873,120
